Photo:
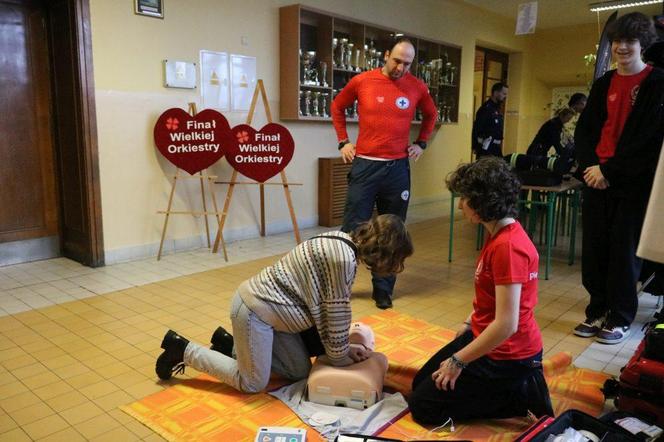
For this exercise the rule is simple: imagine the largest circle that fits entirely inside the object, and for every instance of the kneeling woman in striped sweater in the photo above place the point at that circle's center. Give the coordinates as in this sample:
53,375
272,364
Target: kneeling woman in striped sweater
309,287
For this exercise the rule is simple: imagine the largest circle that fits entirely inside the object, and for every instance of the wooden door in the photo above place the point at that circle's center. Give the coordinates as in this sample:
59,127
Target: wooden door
495,70
28,206
49,172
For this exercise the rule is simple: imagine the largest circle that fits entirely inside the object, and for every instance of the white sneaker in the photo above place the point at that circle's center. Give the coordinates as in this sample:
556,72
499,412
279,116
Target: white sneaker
612,335
589,327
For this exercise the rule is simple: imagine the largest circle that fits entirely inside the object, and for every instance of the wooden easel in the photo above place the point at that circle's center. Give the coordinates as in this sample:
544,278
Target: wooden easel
210,182
233,181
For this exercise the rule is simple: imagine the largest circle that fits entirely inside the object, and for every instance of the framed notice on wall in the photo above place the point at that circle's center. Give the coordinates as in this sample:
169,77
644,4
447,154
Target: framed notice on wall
151,8
243,81
215,84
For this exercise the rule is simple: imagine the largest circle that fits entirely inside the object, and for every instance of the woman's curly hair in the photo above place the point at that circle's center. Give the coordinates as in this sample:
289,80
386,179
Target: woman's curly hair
383,244
489,186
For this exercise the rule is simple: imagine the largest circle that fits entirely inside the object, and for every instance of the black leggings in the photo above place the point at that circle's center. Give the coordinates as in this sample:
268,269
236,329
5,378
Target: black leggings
487,388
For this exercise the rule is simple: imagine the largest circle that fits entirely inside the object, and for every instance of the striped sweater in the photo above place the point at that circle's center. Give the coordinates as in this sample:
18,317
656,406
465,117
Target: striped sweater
310,286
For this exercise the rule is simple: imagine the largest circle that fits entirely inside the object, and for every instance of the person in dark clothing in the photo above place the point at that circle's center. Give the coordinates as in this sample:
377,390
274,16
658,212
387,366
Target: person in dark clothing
549,135
655,54
577,102
493,368
618,140
488,126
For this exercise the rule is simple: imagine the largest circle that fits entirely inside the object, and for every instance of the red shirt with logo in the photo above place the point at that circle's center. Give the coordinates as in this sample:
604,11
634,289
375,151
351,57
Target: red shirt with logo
386,109
508,257
619,102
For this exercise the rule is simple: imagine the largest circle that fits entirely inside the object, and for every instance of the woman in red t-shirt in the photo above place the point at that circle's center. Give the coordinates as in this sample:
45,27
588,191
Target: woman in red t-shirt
493,369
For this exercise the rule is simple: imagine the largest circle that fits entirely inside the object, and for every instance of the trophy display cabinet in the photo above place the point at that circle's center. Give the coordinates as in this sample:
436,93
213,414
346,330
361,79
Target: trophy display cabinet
320,52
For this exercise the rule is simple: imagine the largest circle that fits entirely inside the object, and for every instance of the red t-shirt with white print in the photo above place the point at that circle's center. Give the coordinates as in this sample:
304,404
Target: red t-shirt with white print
508,257
619,102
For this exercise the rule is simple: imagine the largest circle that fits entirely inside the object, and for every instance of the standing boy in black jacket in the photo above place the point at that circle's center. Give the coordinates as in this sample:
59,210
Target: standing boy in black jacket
618,139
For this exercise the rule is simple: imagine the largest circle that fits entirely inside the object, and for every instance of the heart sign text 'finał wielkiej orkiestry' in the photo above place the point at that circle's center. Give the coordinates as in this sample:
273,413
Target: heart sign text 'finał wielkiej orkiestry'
262,154
192,143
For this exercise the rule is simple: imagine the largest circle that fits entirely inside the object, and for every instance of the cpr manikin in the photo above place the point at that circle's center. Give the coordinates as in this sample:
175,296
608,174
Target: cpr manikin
359,385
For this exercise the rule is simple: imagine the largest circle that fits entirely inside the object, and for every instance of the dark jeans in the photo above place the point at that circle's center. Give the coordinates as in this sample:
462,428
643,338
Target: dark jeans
609,265
487,388
385,184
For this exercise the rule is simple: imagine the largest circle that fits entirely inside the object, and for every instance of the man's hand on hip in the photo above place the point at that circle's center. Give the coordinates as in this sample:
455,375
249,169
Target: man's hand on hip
414,151
348,152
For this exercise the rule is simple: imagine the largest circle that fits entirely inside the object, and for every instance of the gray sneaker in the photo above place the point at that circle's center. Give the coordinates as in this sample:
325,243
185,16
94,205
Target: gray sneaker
589,327
612,335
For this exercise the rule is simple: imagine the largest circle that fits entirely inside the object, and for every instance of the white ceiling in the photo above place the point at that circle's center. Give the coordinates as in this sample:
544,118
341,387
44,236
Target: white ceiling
555,13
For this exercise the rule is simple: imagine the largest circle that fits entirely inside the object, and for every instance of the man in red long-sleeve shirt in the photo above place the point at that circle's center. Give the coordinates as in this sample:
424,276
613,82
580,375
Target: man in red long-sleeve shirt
387,100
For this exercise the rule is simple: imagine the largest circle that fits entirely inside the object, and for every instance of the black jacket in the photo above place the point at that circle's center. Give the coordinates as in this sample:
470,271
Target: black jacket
548,135
488,123
632,168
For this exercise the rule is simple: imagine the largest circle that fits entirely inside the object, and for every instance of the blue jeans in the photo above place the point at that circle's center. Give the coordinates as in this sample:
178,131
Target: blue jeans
259,350
385,184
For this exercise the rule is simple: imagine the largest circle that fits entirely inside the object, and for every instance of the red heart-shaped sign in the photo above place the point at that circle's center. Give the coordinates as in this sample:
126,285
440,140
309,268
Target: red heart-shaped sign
192,143
262,154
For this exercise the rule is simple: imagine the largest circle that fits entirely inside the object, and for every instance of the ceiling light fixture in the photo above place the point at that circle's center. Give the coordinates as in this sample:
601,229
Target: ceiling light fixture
618,4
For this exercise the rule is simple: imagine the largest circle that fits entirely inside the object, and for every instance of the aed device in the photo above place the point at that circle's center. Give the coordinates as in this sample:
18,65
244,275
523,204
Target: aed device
281,434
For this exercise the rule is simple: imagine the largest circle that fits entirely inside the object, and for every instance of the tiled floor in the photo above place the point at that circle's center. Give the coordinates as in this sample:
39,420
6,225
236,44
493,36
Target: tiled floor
75,342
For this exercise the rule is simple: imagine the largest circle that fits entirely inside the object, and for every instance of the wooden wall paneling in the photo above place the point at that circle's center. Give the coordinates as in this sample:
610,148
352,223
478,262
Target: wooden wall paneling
332,189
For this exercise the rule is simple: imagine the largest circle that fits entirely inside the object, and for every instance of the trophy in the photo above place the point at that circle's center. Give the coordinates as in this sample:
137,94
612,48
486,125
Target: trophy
357,61
307,103
307,62
335,42
316,104
379,59
302,68
435,72
314,76
323,74
448,71
426,74
366,57
323,104
451,72
354,115
349,55
442,110
299,103
372,58
342,53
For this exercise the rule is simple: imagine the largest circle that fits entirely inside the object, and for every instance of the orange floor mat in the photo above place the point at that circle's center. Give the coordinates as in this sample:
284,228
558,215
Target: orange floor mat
207,410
